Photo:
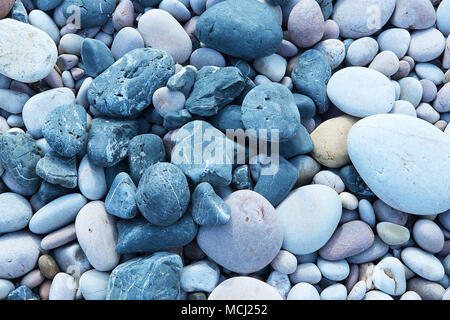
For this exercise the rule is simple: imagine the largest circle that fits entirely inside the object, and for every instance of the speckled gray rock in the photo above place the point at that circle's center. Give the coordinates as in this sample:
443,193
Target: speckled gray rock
126,87
183,80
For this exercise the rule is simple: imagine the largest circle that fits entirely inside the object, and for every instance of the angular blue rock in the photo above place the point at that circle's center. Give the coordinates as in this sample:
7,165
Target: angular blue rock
299,144
138,235
241,178
155,277
176,119
58,170
121,198
183,80
48,192
305,106
22,293
65,129
96,57
228,118
112,172
108,140
208,209
94,13
126,88
246,29
355,183
18,12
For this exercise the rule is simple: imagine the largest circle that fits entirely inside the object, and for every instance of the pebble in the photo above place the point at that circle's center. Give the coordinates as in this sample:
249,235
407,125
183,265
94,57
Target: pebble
207,57
386,62
71,259
423,264
329,179
427,290
93,284
428,235
442,104
285,262
59,237
123,15
306,24
5,8
306,272
303,291
334,292
64,287
280,282
126,40
429,91
358,291
295,215
410,295
362,51
5,288
442,22
208,209
16,212
307,168
95,13
91,179
41,20
331,30
22,293
352,90
37,51
395,40
70,44
392,234
430,72
96,57
121,198
144,151
366,212
200,276
333,270
419,14
404,162
384,212
389,276
377,295
426,45
47,266
166,101
58,170
272,66
333,50
377,250
244,288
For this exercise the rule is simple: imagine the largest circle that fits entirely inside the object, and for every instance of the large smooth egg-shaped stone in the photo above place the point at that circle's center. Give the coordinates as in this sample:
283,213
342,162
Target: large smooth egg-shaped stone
15,212
250,240
309,216
244,288
27,54
403,159
361,92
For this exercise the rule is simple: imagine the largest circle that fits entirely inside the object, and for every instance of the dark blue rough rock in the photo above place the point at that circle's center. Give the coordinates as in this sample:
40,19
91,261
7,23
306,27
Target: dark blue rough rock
228,118
214,88
201,153
149,3
126,88
46,5
121,198
355,183
241,178
246,69
183,80
163,194
22,293
108,140
112,172
143,151
138,235
245,29
48,192
276,2
18,12
305,106
155,277
327,8
19,155
176,119
65,129
208,209
96,57
271,106
273,183
249,85
153,116
94,13
58,170
310,77
299,144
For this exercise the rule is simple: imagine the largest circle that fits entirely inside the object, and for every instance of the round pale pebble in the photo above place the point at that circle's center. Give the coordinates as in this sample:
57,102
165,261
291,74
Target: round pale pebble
389,276
426,45
428,235
123,15
250,240
352,90
336,291
287,49
358,291
385,62
349,200
306,24
273,66
303,291
331,30
329,179
15,212
377,295
82,96
93,284
64,287
244,288
30,59
313,207
105,38
67,79
59,237
429,90
97,235
91,179
176,8
280,281
404,68
165,101
126,40
306,272
5,288
410,295
330,141
429,71
396,40
44,289
70,43
427,290
334,270
200,276
442,102
426,112
411,90
207,57
160,30
404,107
362,51
442,14
285,262
417,14
32,280
333,50
423,263
41,20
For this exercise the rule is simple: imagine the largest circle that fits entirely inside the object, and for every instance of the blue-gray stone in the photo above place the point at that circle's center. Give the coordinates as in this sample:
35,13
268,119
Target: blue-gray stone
112,172
126,88
228,118
311,75
19,156
143,151
299,144
18,12
183,80
327,8
155,277
47,5
241,178
96,57
94,13
22,293
377,250
149,3
121,198
271,106
208,209
213,89
176,119
276,2
65,129
48,192
246,29
58,170
246,69
108,140
163,194
153,116
305,106
275,185
249,85
355,183
138,235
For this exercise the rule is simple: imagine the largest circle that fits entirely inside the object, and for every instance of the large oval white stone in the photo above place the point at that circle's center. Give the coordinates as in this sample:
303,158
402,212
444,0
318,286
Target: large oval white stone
404,160
27,54
361,92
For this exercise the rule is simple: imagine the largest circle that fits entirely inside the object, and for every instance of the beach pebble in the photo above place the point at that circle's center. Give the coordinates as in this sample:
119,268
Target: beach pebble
166,101
207,57
93,284
377,295
336,291
423,263
410,295
427,290
306,23
358,291
333,50
285,262
16,212
385,62
200,276
64,287
208,209
126,40
395,40
428,235
59,237
389,276
329,179
58,170
121,198
362,51
47,266
244,288
333,270
306,272
123,15
95,13
441,17
426,45
273,66
418,14
442,102
91,179
303,291
430,72
5,288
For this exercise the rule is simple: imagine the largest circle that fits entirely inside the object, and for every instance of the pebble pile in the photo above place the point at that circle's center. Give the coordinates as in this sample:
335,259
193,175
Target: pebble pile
101,193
